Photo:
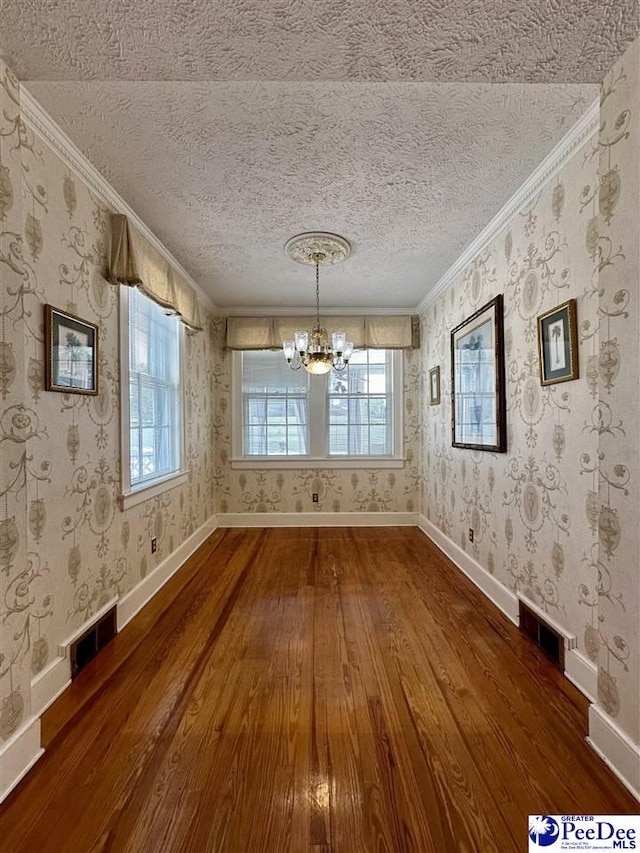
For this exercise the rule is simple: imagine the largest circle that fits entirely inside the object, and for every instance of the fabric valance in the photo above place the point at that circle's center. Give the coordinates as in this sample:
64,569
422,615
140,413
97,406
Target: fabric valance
135,262
373,332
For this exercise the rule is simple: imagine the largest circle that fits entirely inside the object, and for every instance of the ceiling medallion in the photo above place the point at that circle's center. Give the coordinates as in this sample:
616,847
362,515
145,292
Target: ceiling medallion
303,248
310,348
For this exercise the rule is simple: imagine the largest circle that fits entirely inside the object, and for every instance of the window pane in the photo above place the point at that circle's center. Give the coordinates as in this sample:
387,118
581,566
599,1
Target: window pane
255,441
277,411
255,410
338,440
338,411
154,375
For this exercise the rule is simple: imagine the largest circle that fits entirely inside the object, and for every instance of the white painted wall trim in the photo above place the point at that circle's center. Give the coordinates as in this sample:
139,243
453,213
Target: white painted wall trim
502,597
577,136
39,120
615,748
582,673
136,598
18,755
317,519
47,685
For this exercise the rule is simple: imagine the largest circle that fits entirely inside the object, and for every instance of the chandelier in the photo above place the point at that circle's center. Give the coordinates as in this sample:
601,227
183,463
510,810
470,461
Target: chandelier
311,348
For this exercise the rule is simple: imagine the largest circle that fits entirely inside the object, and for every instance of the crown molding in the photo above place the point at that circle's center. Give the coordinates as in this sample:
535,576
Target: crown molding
39,120
575,138
309,311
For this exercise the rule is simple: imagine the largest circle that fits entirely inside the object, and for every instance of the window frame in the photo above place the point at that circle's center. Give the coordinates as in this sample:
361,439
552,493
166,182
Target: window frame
319,437
133,494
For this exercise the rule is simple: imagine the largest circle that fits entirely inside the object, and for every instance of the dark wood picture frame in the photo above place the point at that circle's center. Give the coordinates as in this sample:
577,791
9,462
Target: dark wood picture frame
478,406
558,343
71,353
434,386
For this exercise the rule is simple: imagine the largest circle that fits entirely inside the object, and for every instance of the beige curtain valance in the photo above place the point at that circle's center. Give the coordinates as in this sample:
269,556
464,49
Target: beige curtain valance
375,332
135,262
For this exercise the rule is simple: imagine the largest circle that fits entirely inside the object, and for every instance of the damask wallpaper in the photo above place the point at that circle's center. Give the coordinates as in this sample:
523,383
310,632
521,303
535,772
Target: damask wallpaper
556,517
615,471
66,547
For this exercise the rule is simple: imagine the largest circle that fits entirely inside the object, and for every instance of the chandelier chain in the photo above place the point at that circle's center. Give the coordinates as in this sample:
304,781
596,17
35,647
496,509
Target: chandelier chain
317,294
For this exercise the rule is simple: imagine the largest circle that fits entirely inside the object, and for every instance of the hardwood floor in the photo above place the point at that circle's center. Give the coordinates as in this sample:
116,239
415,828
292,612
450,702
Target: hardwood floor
341,689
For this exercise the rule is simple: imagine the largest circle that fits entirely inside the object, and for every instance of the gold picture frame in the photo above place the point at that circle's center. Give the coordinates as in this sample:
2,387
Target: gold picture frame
558,343
434,386
71,353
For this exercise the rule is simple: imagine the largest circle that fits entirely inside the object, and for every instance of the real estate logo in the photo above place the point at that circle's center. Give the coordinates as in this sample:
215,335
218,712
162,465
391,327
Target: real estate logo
543,830
583,832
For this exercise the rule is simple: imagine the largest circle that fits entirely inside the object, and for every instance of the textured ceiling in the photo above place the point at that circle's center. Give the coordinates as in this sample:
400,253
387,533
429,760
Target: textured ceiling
226,173
230,126
377,40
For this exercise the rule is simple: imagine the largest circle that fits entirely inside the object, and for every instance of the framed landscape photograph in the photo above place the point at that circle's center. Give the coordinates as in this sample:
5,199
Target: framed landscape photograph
558,344
478,410
434,386
71,353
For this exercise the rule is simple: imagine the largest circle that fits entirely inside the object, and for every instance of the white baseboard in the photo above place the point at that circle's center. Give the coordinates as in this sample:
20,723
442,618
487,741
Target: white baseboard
317,519
136,598
502,597
47,685
582,673
18,755
615,748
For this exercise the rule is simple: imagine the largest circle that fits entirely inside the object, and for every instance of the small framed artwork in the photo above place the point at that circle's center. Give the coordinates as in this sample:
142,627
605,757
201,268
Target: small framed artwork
434,386
558,344
71,353
478,419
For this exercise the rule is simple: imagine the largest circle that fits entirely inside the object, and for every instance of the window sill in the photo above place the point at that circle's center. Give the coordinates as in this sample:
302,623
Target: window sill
263,462
144,493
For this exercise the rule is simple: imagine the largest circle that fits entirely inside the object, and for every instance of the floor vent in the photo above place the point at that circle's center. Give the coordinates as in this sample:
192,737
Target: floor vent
89,644
544,636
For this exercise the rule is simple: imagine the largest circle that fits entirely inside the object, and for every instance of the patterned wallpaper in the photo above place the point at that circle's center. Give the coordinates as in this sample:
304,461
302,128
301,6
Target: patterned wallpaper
338,489
615,471
66,547
556,517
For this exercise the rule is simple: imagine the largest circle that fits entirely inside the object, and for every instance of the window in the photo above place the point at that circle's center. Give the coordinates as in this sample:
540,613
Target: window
360,406
151,349
288,418
274,406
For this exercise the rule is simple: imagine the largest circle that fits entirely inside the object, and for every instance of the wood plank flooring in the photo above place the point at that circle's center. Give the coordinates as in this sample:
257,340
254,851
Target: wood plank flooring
337,689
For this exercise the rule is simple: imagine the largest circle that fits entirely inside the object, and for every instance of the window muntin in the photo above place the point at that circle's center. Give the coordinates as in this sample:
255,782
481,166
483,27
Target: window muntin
283,415
360,410
155,422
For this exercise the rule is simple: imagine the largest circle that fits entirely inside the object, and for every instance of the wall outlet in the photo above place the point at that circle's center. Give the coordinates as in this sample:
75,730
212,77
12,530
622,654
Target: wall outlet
154,545
315,497
471,534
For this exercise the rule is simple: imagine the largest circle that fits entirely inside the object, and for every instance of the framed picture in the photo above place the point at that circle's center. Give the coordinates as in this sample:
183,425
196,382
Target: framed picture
478,411
434,386
71,353
558,344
